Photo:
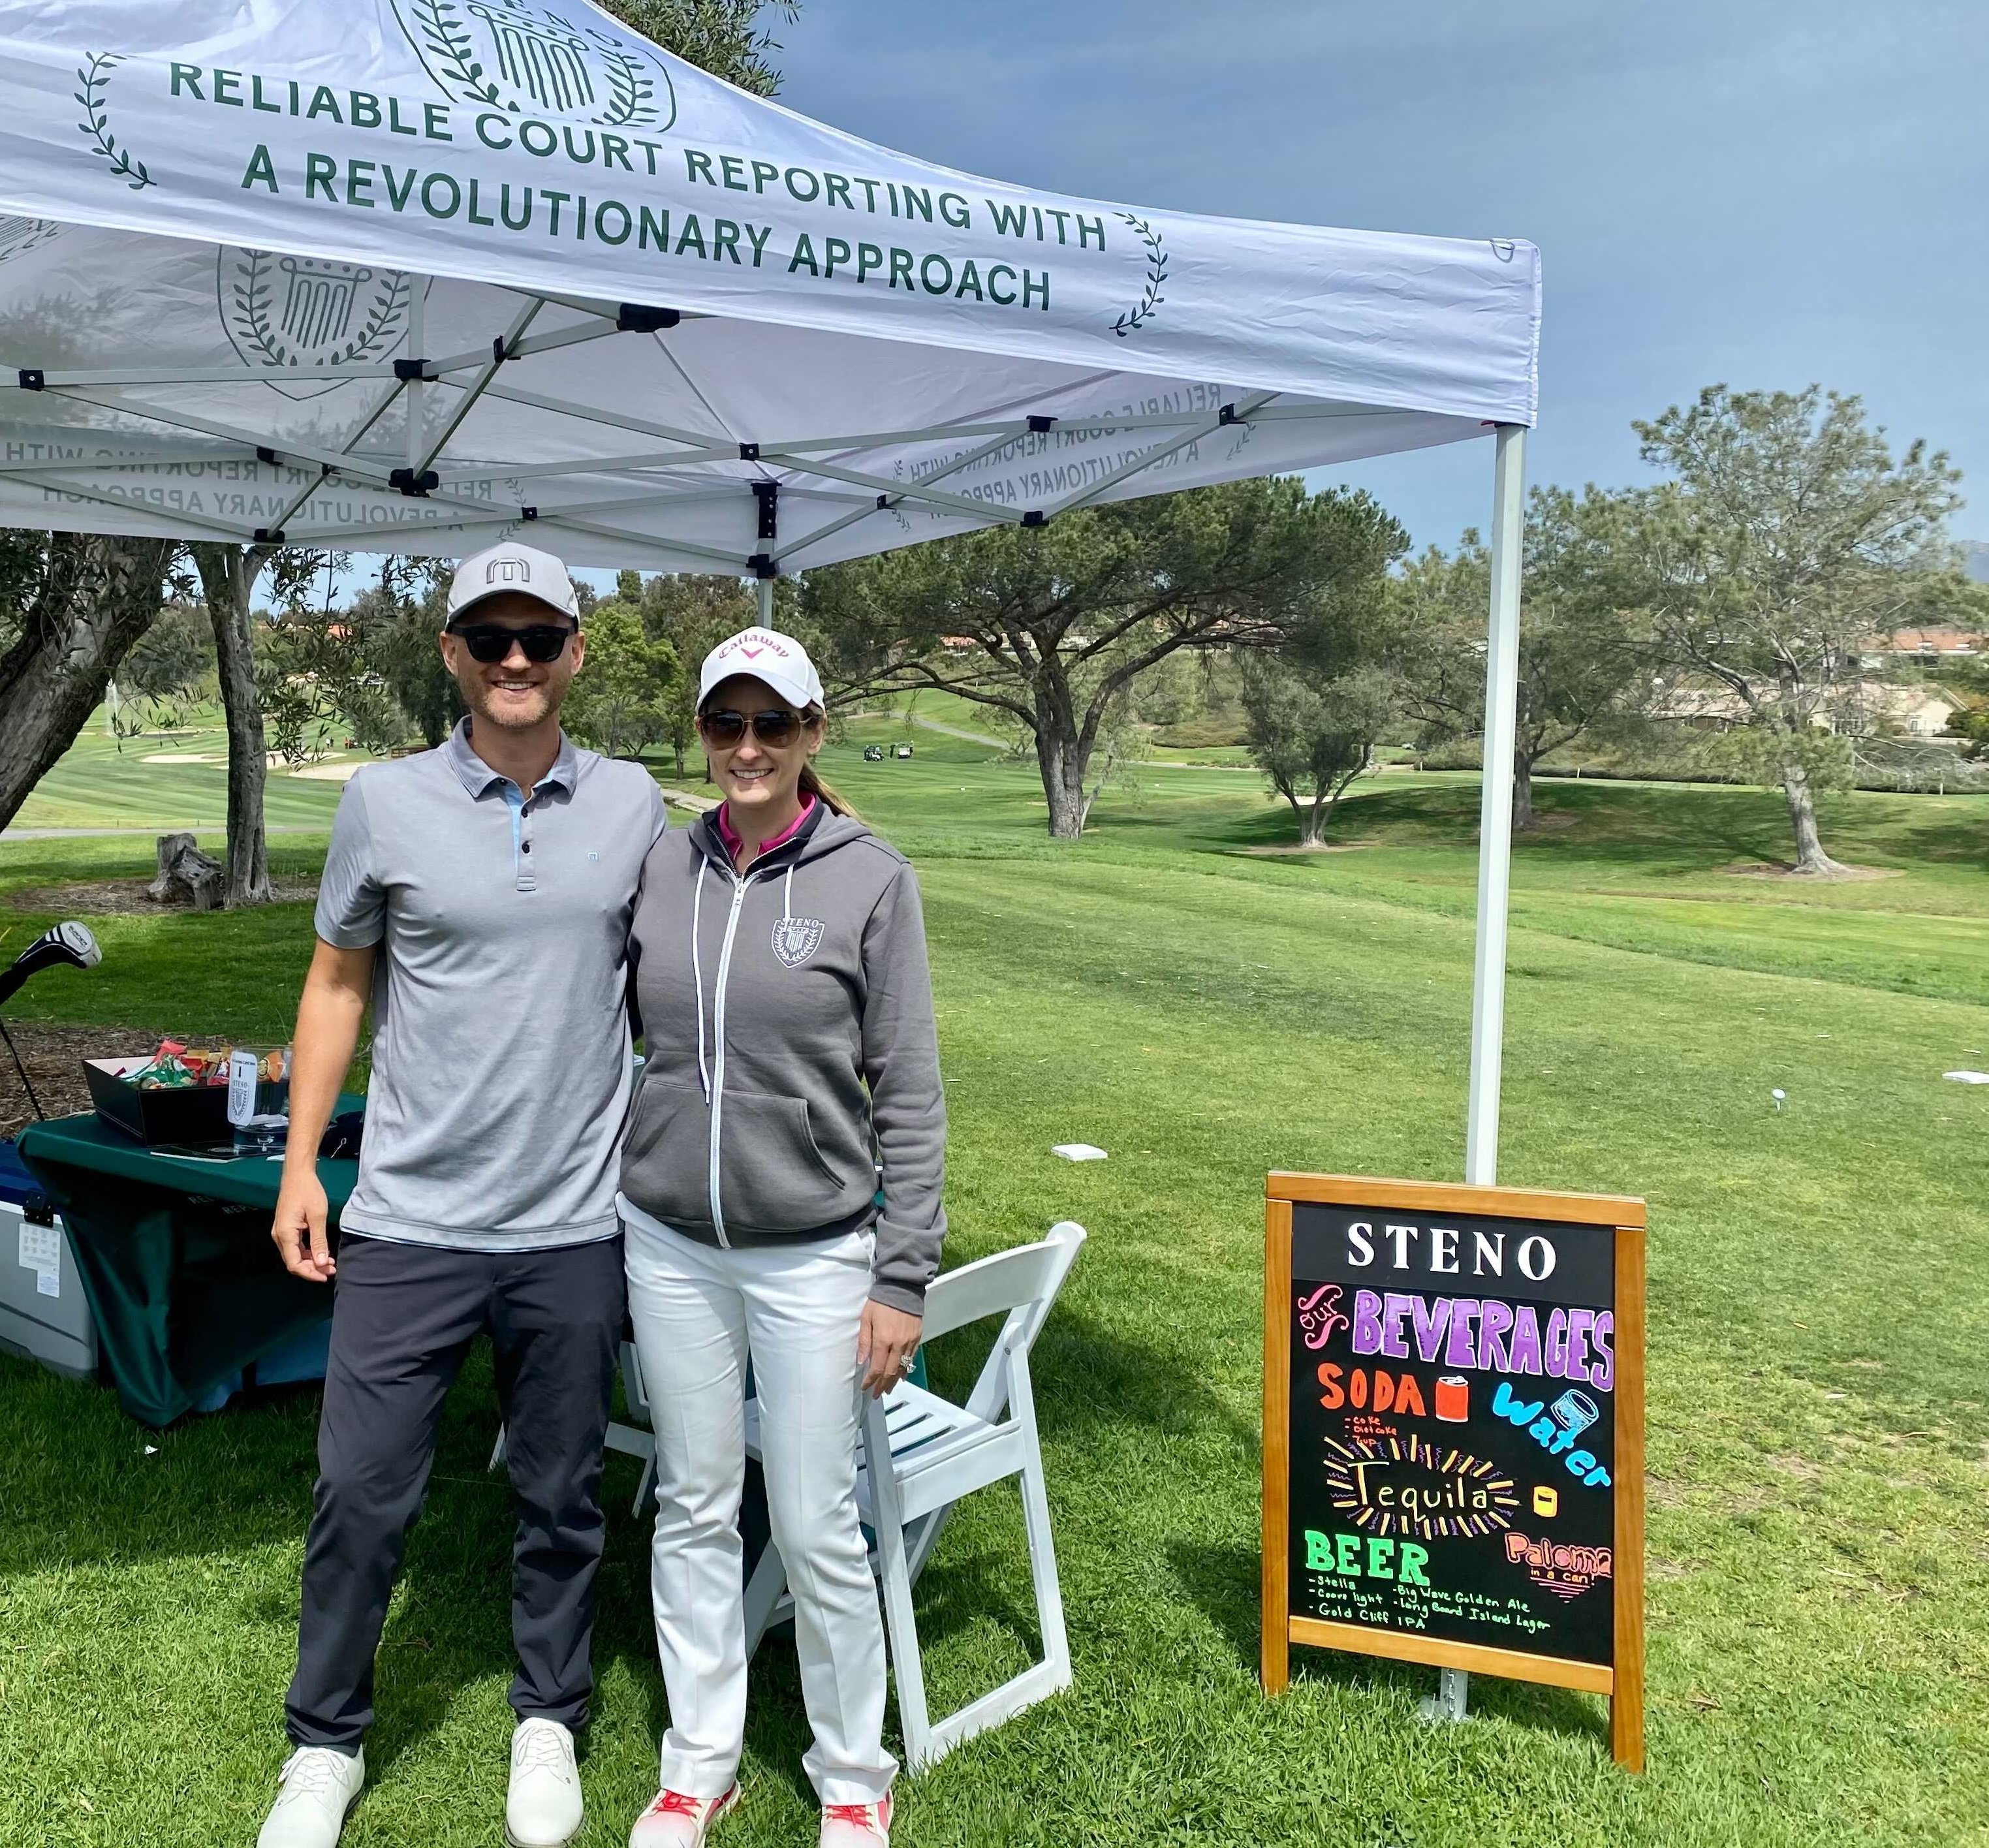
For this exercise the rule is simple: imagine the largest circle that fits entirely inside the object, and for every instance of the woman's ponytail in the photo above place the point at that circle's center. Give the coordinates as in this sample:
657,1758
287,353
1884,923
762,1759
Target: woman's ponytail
812,783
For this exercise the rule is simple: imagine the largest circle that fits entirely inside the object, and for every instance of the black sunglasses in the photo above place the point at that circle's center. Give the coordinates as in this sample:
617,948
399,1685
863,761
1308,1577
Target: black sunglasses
776,728
490,642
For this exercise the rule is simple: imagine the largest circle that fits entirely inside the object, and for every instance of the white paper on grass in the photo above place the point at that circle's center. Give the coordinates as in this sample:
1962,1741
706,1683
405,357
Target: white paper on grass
1079,1151
287,193
1967,1077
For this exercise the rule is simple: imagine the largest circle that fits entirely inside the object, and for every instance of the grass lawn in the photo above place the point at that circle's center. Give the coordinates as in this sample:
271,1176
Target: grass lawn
1206,1010
175,781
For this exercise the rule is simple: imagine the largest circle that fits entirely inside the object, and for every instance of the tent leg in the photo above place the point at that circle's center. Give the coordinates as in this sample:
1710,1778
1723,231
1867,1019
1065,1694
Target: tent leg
1494,848
765,589
1495,820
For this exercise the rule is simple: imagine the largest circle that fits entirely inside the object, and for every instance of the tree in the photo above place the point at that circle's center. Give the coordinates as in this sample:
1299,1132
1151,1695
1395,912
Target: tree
1583,672
694,616
723,36
83,601
228,577
170,668
619,699
1312,735
1055,626
1787,538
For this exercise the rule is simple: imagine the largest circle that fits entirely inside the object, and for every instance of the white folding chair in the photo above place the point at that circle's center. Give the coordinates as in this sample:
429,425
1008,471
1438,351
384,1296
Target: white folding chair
921,1453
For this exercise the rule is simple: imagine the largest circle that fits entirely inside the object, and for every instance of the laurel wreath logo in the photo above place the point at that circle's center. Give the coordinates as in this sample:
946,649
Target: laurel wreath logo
448,44
253,292
1156,273
635,95
95,78
449,41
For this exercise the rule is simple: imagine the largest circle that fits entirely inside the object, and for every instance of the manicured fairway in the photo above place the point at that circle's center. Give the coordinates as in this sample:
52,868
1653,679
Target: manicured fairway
1819,1420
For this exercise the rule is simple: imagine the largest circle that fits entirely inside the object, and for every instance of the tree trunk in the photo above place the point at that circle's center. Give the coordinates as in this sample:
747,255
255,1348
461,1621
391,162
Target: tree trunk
227,574
1063,784
1522,789
100,596
1063,757
1801,798
1312,824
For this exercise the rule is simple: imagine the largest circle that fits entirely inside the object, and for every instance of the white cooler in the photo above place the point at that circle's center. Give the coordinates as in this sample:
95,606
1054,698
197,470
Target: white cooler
44,1314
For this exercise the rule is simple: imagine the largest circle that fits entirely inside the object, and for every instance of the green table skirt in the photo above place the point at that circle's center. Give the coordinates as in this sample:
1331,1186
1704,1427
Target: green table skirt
175,1258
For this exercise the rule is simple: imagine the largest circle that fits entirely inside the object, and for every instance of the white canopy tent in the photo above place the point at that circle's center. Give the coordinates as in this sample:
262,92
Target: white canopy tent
414,276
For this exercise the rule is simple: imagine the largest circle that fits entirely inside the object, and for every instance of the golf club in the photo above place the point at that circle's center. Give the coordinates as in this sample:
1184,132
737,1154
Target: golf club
70,943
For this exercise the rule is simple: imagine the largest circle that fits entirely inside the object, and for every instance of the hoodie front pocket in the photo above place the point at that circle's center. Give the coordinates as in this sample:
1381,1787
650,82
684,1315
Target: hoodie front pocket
772,1177
665,1162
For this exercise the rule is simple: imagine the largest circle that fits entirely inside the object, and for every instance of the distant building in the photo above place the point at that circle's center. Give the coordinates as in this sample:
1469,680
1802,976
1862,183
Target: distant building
1930,646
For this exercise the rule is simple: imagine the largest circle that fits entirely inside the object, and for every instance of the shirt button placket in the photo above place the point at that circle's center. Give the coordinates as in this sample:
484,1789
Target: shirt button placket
526,882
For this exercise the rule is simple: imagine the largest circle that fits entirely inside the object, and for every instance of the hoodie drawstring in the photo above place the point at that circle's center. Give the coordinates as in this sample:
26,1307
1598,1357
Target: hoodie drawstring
787,893
697,977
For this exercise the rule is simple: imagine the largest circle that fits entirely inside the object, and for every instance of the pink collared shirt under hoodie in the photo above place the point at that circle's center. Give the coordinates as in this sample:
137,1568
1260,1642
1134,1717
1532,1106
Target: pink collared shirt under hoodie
733,841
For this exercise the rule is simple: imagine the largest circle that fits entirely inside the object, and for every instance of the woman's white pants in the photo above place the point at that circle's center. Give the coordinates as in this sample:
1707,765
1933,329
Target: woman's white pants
698,1312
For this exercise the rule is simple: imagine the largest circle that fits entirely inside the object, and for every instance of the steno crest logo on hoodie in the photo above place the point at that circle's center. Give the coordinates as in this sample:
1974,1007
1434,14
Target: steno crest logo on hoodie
796,939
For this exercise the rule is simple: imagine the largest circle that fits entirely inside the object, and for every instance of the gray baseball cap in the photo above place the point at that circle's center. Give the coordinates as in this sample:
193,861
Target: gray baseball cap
512,567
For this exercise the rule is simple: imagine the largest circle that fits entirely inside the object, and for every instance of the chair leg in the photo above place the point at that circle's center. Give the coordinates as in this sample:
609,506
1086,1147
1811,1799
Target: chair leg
894,1571
763,1596
1043,1569
497,1450
645,1489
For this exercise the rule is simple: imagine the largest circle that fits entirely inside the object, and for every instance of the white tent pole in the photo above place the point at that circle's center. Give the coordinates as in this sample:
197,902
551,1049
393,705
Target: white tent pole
765,589
1495,853
1495,819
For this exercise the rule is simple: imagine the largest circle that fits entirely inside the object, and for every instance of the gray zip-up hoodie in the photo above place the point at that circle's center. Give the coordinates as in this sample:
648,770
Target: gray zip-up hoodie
789,1019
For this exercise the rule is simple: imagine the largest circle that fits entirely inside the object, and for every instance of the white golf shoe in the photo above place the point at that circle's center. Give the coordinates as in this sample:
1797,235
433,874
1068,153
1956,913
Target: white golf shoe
543,1807
318,1787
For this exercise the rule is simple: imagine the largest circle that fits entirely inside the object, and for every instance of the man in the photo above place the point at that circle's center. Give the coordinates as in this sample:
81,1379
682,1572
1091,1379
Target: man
480,896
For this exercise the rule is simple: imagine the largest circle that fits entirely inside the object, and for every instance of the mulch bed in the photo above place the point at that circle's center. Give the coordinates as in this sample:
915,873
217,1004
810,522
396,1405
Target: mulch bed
54,1056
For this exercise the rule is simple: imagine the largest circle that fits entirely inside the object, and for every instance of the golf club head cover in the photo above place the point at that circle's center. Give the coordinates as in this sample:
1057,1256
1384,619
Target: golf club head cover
70,943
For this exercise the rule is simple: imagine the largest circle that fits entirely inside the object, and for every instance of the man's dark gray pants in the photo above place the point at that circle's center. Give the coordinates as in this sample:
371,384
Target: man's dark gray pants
402,1318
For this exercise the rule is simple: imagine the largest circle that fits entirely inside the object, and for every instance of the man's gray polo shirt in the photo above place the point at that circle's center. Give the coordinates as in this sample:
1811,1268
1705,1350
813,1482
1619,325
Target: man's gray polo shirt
500,1029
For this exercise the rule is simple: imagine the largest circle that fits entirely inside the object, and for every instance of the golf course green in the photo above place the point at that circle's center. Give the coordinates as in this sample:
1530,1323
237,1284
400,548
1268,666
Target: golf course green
1181,990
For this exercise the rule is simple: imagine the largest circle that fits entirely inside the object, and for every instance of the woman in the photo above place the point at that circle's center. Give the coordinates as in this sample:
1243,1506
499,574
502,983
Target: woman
790,938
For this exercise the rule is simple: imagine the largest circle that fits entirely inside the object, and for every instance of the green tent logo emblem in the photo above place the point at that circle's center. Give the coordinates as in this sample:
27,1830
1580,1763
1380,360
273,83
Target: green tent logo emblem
539,61
285,313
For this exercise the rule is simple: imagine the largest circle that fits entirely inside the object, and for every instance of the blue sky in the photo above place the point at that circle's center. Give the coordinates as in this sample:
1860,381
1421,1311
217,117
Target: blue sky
1756,191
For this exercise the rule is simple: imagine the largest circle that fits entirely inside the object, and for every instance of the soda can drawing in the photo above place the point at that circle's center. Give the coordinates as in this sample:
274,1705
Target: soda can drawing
1453,1399
1576,1411
1546,1502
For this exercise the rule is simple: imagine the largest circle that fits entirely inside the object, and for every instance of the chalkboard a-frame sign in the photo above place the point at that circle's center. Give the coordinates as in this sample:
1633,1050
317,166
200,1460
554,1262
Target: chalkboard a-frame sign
1454,1432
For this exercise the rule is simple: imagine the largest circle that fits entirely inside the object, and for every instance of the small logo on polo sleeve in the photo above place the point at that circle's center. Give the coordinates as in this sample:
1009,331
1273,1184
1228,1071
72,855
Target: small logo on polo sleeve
796,939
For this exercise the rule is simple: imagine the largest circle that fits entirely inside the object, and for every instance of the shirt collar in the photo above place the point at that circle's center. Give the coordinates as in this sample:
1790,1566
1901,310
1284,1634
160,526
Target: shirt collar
730,835
477,777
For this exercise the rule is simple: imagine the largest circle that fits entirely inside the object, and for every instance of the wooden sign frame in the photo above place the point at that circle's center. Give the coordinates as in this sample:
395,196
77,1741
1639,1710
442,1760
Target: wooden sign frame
1623,1682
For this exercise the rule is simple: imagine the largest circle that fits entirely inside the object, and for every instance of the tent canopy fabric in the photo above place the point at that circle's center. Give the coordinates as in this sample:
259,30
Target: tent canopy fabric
414,276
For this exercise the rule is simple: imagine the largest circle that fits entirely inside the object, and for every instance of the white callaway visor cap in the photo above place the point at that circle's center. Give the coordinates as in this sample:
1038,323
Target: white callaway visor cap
778,661
512,567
